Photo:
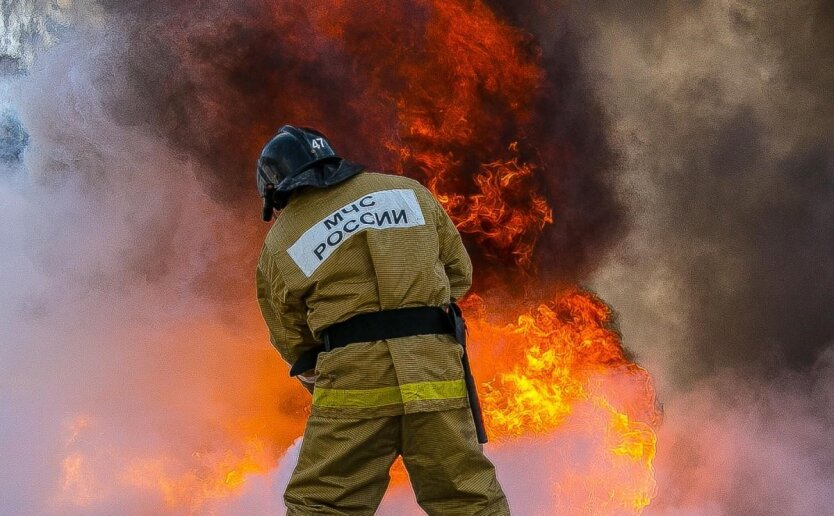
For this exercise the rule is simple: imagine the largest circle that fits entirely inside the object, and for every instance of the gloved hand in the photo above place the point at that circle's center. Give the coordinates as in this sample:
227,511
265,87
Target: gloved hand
308,380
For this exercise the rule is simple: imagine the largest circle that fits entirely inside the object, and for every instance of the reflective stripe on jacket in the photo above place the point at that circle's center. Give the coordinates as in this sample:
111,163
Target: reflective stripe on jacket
374,242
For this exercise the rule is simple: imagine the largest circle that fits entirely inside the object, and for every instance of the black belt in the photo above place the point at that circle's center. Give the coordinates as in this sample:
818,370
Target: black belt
373,326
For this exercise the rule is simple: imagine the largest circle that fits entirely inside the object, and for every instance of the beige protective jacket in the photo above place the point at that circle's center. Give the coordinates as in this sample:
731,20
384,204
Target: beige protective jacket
374,242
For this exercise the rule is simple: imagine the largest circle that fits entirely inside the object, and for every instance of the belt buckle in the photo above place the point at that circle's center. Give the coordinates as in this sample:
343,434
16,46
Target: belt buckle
327,341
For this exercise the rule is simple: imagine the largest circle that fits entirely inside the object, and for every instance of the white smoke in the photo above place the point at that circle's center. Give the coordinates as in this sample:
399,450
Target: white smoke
114,355
735,445
30,26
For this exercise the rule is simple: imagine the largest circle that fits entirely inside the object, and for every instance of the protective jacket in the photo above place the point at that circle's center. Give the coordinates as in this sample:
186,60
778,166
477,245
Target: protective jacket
371,243
375,242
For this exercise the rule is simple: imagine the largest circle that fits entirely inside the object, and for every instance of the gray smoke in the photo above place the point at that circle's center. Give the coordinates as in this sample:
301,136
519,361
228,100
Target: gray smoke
721,113
724,117
118,368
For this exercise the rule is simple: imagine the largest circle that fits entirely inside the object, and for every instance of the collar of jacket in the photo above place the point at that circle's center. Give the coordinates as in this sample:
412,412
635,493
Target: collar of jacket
323,176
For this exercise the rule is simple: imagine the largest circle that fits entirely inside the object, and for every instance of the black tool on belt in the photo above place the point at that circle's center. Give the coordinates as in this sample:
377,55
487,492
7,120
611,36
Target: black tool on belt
392,324
459,325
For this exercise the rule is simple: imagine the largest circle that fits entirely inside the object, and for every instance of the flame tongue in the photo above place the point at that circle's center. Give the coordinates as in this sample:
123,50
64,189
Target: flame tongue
492,217
561,353
568,368
463,92
459,88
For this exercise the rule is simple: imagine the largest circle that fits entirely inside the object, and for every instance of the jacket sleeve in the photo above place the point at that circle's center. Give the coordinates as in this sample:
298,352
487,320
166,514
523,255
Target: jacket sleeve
285,314
453,254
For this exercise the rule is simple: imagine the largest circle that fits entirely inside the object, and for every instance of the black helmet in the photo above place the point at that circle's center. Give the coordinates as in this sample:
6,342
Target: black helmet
297,157
288,153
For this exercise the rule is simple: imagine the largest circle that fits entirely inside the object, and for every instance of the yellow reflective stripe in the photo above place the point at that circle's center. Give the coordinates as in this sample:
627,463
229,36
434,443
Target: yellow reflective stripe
358,398
370,398
433,390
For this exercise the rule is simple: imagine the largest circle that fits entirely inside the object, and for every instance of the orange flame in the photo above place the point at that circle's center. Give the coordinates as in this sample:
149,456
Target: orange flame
219,475
539,374
471,70
489,216
554,353
560,356
469,74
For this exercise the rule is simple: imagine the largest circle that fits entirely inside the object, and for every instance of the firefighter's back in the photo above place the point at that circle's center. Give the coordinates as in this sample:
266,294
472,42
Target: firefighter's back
368,244
364,243
373,243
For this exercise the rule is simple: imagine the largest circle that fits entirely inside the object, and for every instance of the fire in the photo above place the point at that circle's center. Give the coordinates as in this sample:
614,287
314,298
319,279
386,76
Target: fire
559,365
474,77
218,475
489,215
459,91
555,353
252,419
78,485
564,355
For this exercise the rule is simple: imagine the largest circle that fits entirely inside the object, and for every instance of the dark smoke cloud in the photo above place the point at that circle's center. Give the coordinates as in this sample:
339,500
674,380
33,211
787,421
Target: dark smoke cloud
723,115
725,119
586,202
217,85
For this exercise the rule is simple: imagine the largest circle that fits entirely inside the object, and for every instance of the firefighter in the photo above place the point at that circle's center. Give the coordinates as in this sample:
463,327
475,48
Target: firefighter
354,282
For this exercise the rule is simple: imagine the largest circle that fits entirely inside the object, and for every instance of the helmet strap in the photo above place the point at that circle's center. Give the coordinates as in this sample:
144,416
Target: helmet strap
269,202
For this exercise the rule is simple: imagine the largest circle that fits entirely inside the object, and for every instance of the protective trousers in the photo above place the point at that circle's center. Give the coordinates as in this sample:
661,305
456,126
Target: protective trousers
344,462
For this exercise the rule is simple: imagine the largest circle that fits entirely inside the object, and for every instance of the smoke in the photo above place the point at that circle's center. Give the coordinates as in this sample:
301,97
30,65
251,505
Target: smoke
724,122
726,136
127,138
722,118
736,446
121,368
243,70
31,25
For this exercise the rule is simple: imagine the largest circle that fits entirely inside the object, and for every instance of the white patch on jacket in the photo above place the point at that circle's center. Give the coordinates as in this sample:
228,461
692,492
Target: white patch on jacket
378,210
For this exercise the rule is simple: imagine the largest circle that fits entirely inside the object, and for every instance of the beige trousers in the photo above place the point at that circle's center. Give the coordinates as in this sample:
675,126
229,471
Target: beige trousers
343,466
